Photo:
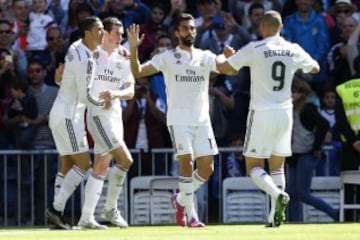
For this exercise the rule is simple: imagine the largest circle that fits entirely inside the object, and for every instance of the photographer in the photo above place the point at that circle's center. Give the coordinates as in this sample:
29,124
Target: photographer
144,125
19,59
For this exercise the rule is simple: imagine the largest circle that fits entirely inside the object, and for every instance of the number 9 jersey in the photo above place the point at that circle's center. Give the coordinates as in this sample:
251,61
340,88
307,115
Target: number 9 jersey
273,63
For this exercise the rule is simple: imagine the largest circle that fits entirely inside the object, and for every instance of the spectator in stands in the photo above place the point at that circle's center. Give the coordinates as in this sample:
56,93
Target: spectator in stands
19,58
221,104
127,11
341,10
45,96
352,48
240,9
70,21
256,13
82,11
206,9
150,28
327,111
176,8
309,130
339,68
5,10
144,125
20,25
7,74
21,108
40,20
309,30
57,10
53,55
347,120
224,31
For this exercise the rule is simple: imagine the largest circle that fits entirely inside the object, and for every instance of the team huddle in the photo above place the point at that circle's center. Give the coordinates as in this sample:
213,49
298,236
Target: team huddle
99,72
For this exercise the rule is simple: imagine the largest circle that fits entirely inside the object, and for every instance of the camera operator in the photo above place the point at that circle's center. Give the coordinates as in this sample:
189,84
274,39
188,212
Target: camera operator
144,125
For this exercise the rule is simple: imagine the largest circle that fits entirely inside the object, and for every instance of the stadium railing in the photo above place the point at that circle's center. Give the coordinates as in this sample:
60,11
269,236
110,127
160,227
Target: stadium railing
27,184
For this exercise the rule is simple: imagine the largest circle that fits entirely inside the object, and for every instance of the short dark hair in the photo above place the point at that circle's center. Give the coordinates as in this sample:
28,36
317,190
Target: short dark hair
36,61
87,24
205,1
110,22
181,18
161,37
255,6
17,83
84,7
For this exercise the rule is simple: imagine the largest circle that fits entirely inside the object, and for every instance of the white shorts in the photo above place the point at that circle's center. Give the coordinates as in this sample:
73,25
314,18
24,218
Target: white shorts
195,140
68,131
268,133
106,130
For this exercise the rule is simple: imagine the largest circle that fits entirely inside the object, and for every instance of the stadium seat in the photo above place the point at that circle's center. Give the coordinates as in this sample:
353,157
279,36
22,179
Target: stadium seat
161,210
243,201
140,198
348,177
328,189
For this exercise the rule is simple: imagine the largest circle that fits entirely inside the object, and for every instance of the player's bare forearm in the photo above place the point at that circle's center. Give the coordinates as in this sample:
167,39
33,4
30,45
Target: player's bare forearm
224,67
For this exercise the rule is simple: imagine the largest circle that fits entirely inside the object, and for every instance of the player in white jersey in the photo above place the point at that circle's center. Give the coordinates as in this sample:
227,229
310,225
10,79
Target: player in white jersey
186,72
112,73
273,62
66,118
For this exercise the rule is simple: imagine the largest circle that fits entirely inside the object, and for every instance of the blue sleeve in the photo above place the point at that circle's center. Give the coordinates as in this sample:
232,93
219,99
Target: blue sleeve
138,15
322,41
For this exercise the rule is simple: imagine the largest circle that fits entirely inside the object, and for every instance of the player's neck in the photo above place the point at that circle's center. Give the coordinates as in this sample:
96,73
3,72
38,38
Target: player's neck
89,44
109,48
186,48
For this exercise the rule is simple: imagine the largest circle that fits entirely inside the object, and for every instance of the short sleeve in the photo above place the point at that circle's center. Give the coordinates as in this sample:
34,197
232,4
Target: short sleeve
159,60
304,60
242,57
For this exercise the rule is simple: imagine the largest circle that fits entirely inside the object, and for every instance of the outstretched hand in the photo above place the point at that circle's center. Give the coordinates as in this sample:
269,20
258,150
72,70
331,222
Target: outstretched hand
133,33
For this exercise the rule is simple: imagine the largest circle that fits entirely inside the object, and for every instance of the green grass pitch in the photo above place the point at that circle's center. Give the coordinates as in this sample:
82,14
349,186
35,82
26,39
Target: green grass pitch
211,232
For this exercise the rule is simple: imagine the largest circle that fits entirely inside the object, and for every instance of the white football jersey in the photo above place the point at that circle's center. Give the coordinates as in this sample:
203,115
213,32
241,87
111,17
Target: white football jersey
72,91
110,73
273,62
187,84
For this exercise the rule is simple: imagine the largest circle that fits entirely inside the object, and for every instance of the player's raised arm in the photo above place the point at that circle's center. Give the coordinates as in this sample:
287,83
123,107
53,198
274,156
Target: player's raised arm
134,42
224,67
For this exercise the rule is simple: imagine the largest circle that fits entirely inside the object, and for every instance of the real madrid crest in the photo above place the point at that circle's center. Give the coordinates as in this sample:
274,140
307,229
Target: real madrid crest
118,65
177,55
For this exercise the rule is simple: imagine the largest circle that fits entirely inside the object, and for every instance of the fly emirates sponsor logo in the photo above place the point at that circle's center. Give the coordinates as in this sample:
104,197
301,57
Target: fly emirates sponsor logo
189,76
108,76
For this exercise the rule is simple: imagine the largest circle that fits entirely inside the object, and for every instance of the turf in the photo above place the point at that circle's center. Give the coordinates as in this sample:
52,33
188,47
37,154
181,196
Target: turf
213,232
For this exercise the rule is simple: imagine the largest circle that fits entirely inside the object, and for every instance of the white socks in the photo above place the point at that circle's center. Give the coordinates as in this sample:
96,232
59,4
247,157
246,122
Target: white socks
93,189
71,180
59,180
278,178
117,175
264,182
186,196
197,180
